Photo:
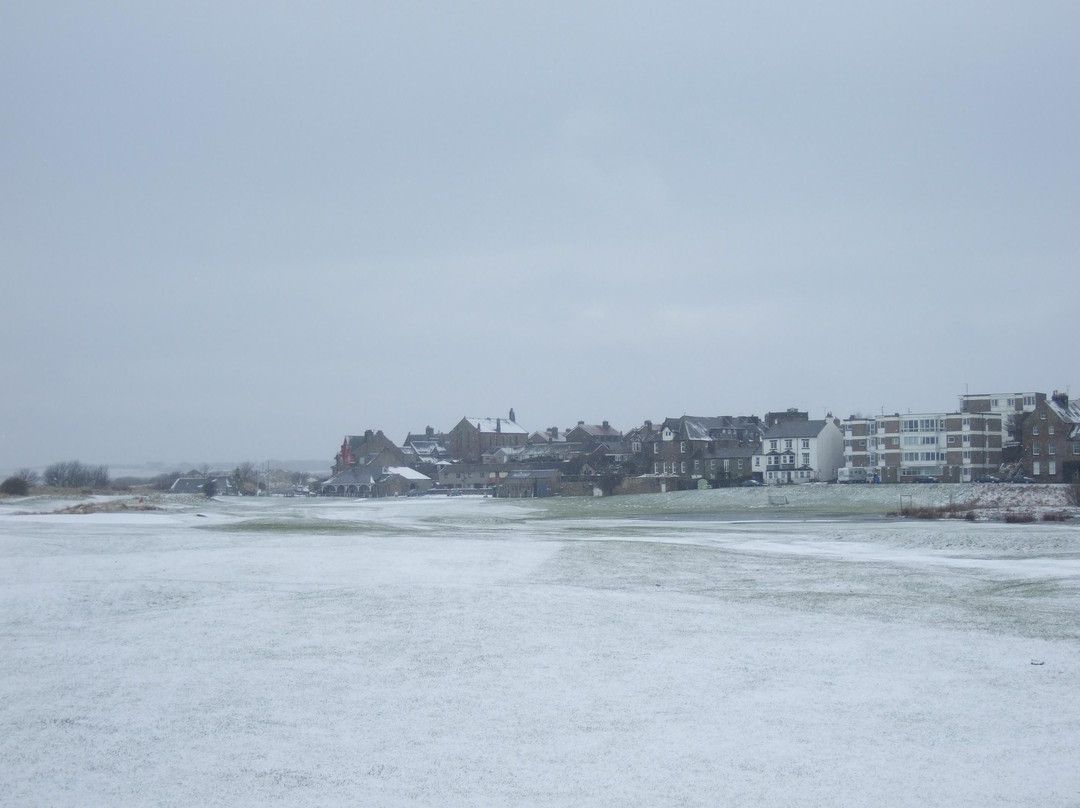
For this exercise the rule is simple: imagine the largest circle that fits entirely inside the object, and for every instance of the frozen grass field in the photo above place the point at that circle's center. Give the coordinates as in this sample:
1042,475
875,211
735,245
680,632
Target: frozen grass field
696,649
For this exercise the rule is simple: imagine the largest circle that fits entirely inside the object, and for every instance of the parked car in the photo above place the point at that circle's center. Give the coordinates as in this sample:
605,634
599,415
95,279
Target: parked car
1020,479
987,478
750,483
926,479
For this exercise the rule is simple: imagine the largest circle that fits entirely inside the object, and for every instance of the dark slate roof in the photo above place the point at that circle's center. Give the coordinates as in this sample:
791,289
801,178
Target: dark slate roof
598,430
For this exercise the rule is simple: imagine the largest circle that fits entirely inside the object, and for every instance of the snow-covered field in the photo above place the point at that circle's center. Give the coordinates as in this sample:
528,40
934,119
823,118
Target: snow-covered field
697,649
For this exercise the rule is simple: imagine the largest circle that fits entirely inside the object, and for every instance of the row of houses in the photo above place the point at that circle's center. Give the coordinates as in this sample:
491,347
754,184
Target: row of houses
1038,435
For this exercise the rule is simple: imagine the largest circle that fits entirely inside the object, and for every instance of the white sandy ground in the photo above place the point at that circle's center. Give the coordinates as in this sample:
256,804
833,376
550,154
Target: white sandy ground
695,649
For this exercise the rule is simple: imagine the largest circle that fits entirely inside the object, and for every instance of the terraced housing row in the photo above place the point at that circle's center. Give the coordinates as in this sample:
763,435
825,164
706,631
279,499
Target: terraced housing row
1027,434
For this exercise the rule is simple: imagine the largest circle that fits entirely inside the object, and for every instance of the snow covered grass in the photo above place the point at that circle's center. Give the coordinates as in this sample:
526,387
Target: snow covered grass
701,648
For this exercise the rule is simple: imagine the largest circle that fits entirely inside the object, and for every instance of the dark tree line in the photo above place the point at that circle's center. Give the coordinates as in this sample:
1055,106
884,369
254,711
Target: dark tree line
73,474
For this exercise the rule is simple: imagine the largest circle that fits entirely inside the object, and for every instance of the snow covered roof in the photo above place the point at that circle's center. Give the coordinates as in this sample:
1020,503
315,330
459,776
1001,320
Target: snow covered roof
196,485
352,475
502,425
710,427
406,473
533,474
1068,414
426,447
796,429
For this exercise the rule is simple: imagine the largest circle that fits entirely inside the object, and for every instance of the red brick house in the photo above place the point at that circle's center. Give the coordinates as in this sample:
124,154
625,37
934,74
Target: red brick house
1051,440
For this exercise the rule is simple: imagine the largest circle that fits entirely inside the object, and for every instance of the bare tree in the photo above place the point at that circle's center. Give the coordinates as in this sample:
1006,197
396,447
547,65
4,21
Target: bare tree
73,474
28,476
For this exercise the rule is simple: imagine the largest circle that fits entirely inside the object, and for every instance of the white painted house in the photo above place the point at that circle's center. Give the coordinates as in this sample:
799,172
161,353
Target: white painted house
800,452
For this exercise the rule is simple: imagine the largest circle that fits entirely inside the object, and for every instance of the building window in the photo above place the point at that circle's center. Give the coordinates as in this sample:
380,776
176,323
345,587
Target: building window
1042,415
1035,430
1049,429
1036,468
787,444
1035,449
1076,448
773,444
1051,448
684,467
1029,401
952,439
656,448
697,465
655,468
682,447
806,458
806,443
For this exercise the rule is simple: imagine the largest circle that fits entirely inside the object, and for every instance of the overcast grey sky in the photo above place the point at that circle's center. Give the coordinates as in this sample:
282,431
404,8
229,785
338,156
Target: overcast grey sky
243,230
